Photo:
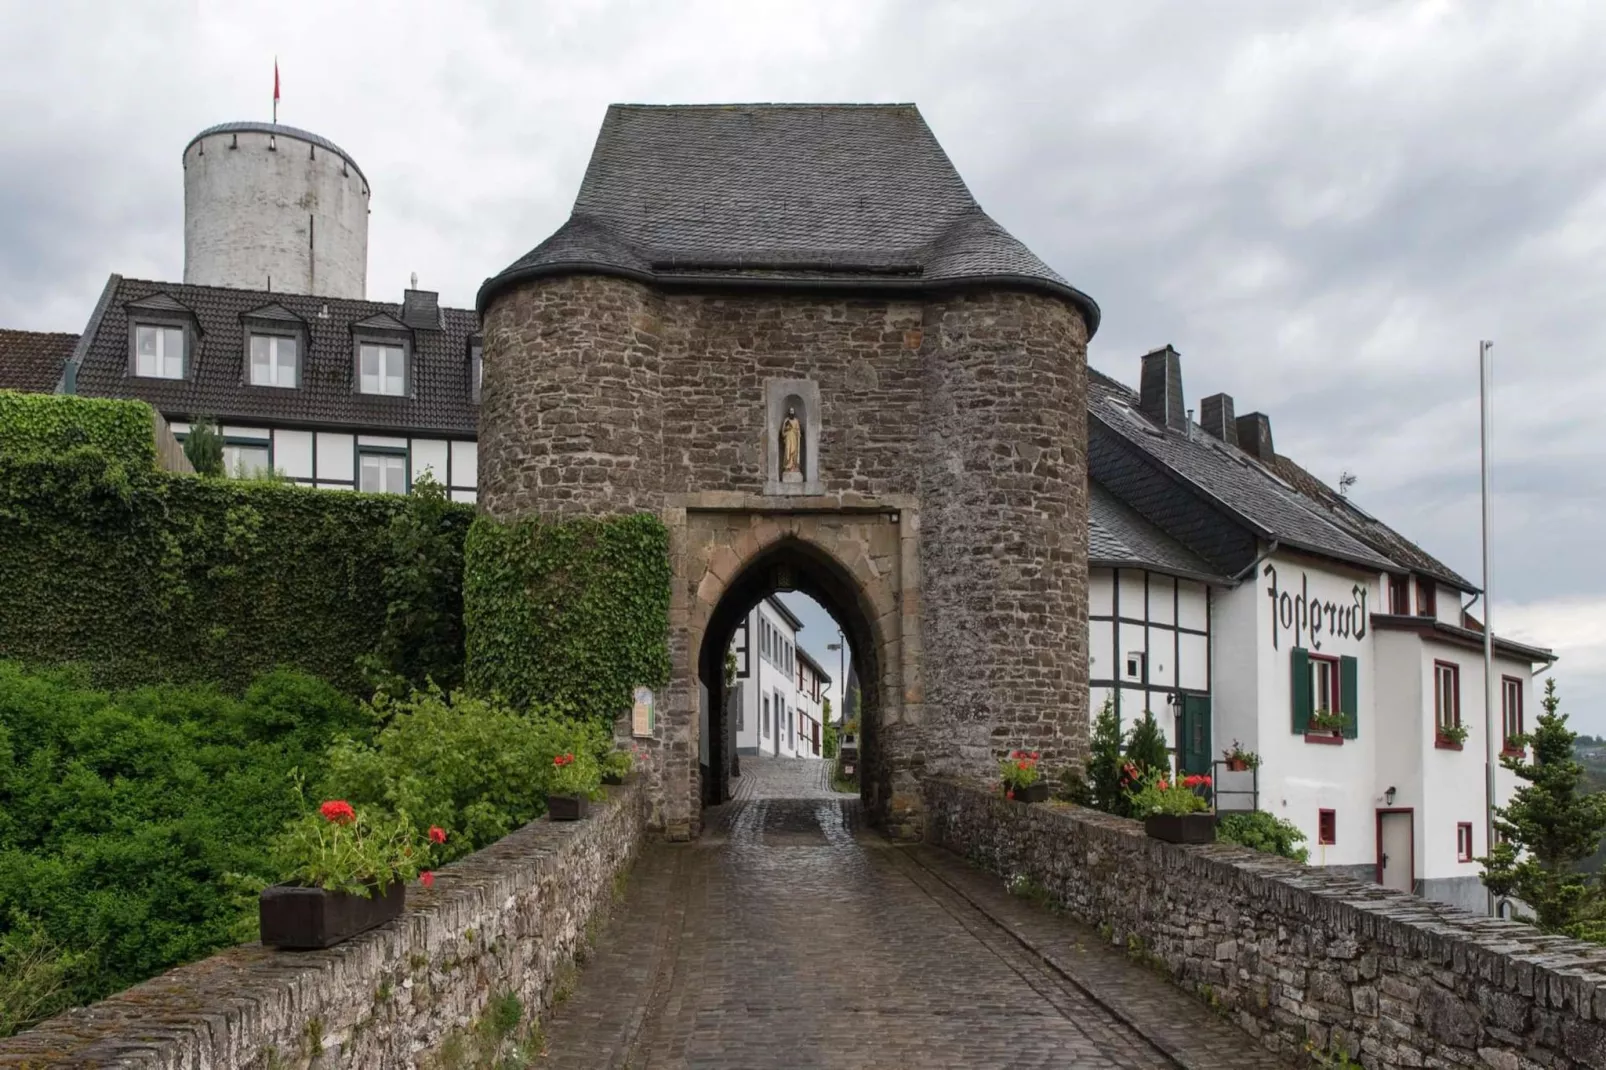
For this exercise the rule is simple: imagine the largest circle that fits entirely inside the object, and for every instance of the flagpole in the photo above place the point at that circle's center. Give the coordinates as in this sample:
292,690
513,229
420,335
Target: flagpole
275,90
1486,420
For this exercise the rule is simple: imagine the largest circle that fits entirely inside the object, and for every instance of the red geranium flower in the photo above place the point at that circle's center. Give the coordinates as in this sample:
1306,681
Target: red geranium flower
437,834
1163,786
563,759
427,879
338,811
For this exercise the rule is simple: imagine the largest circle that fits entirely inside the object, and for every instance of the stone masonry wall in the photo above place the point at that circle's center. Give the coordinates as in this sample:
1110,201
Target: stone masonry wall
1295,955
508,918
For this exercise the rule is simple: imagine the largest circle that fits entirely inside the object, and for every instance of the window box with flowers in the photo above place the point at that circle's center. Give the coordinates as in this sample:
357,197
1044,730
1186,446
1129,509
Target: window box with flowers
346,872
1325,727
1239,760
1450,737
576,779
1022,780
1173,809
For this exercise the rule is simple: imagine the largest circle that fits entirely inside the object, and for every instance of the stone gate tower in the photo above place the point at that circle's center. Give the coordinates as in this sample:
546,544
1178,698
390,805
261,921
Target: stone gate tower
791,332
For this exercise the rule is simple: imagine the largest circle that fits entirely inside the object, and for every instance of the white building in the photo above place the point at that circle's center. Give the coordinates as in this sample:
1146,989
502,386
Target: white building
1241,599
779,690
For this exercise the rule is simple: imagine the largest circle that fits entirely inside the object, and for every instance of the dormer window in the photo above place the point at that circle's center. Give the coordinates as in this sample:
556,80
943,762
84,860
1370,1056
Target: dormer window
275,360
382,368
159,351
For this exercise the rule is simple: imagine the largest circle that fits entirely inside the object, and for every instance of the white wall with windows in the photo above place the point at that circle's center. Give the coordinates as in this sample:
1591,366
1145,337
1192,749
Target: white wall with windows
1148,642
772,706
337,460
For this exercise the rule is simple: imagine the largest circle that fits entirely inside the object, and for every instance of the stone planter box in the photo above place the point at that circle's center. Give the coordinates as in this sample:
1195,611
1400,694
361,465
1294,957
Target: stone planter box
304,919
1181,828
566,807
1032,793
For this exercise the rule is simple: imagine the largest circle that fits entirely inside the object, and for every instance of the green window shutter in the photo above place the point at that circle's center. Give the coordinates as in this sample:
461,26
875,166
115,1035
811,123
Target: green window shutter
1348,694
1302,700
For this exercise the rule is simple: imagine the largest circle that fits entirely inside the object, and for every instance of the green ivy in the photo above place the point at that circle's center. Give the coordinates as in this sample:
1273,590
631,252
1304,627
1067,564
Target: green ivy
146,576
56,423
569,613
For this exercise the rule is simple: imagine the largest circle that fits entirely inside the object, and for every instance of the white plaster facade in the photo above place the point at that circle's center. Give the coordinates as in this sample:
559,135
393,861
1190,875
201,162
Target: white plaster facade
779,690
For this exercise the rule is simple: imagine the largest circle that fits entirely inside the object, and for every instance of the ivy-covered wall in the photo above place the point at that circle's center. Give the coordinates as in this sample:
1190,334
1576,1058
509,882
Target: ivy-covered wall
574,612
52,424
144,576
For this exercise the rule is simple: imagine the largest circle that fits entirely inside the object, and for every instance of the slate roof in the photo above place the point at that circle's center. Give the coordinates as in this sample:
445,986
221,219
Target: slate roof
848,195
440,400
1118,536
1376,534
1224,476
32,360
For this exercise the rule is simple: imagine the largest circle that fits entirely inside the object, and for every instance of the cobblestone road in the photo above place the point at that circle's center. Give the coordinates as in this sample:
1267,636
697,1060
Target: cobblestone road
787,936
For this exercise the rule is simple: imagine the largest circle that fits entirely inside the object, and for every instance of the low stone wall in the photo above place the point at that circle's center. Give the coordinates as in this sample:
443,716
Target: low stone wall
1302,959
507,919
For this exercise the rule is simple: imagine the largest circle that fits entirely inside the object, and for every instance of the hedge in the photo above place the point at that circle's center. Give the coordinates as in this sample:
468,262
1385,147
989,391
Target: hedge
572,613
52,424
144,576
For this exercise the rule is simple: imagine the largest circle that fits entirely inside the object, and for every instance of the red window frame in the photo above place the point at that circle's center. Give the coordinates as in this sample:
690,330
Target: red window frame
1438,695
1463,841
1335,700
1510,696
1400,595
1326,828
1427,598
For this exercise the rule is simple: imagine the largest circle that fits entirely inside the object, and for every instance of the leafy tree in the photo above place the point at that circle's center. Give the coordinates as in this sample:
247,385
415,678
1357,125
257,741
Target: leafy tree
1548,828
1104,762
204,447
1264,832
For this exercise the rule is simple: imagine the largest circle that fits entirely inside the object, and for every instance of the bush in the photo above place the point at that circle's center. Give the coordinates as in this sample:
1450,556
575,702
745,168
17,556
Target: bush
146,576
1264,832
134,826
53,424
572,614
476,767
1104,785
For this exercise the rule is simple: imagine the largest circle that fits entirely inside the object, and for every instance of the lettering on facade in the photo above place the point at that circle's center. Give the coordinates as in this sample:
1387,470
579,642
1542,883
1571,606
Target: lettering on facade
1310,617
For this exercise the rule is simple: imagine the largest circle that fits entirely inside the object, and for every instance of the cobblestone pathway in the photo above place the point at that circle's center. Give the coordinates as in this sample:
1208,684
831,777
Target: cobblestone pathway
787,936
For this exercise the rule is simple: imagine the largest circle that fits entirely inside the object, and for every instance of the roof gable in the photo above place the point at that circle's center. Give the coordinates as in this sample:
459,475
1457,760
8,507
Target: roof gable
274,313
162,304
381,321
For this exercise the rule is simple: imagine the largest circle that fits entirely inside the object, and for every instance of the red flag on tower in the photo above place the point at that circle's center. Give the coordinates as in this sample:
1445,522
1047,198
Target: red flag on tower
275,88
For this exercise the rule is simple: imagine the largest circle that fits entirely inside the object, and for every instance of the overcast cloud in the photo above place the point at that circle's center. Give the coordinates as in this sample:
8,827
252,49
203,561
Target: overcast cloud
1322,206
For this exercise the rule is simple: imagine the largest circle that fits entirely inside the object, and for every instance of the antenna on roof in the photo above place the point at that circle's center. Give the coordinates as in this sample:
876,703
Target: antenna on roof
1346,480
414,285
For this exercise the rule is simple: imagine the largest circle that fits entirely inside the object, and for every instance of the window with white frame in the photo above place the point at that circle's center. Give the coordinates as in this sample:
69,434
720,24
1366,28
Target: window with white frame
382,368
1511,712
1324,684
382,473
158,351
245,459
274,360
766,722
1446,695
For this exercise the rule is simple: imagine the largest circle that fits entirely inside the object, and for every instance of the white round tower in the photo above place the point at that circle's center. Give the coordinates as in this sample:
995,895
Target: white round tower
270,207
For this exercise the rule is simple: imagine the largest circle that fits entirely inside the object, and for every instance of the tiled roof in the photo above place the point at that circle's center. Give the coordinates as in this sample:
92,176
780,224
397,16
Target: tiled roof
440,398
1224,476
1117,535
781,194
1376,534
32,360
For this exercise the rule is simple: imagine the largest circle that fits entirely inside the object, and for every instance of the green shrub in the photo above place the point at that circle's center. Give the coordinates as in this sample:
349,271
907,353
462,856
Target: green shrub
476,767
134,826
571,613
54,424
1264,832
1145,747
34,974
1105,788
146,576
203,448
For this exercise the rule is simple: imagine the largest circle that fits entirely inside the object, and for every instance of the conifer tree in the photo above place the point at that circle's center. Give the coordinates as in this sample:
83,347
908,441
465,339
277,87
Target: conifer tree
1548,828
1146,748
203,447
1104,761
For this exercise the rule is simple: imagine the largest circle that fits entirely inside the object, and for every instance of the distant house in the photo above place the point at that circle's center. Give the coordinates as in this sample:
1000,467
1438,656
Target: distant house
779,690
32,361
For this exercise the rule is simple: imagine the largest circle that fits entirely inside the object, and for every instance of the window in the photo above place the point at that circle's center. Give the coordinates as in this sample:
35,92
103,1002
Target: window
1326,828
1134,666
1324,689
1446,695
383,473
1400,595
1510,712
476,370
246,459
382,369
1426,603
273,360
766,728
1463,841
158,351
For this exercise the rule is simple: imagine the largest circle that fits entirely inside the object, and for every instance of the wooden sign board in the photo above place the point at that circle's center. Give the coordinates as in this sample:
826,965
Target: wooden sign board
642,716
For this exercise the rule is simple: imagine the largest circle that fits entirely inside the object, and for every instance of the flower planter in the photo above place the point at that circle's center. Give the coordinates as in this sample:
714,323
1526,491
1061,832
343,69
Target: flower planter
1181,828
1329,736
296,918
1237,765
1032,793
566,807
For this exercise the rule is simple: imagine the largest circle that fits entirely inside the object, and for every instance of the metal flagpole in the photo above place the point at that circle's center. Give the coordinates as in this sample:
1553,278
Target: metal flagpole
1485,389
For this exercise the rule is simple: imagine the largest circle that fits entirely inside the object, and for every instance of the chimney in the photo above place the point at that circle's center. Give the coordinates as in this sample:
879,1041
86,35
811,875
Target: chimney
421,310
1215,412
1254,436
1160,389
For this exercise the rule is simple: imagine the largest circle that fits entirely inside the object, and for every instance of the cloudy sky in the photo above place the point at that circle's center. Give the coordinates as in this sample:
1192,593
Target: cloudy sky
1323,207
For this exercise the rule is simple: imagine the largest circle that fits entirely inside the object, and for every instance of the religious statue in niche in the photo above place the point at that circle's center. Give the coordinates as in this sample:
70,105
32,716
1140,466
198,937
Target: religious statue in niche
791,447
